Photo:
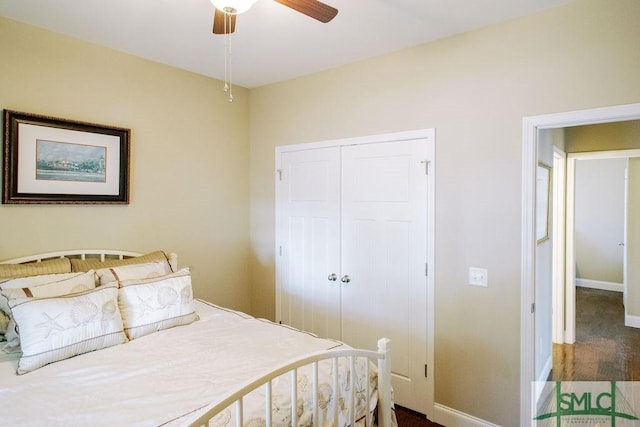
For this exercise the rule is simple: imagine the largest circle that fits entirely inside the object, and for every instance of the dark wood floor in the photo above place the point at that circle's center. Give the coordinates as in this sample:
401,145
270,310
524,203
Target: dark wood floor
409,418
605,349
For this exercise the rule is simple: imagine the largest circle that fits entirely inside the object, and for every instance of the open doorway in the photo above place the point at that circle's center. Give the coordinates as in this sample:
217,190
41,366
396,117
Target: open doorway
580,214
531,128
597,196
594,342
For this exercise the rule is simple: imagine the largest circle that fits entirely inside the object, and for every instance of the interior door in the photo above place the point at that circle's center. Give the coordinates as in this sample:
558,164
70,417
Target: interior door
384,255
309,241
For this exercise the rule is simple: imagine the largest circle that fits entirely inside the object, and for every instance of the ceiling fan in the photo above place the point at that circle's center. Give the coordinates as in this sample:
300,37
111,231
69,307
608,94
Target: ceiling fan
224,17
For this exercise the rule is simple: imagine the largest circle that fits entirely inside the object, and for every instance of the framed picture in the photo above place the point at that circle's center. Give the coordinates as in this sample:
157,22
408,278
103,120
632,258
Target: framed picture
543,202
50,160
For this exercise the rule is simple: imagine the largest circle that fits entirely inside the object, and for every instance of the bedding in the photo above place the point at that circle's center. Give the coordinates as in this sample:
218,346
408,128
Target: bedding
168,377
127,344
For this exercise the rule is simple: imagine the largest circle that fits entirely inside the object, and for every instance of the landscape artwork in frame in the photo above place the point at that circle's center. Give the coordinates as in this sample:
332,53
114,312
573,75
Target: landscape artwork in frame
51,160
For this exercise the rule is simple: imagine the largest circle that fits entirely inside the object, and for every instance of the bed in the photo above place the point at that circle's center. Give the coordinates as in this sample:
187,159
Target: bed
115,338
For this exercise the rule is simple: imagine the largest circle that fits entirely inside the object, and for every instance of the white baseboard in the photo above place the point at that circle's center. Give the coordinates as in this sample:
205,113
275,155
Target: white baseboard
598,284
632,321
453,418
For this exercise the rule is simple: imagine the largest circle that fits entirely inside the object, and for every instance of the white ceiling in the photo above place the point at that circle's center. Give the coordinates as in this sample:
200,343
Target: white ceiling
272,42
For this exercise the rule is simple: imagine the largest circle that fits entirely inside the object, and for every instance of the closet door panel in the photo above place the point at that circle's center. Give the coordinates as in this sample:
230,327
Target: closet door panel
384,253
308,228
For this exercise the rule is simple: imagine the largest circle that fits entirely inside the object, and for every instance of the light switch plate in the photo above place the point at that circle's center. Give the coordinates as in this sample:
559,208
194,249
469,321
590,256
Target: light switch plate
478,276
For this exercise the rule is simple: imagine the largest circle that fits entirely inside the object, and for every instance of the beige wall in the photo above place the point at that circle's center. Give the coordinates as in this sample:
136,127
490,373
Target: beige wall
599,219
597,255
189,158
613,136
474,89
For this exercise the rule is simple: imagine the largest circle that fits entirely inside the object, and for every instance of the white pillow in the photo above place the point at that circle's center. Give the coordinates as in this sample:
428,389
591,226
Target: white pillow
78,282
134,271
43,279
53,329
150,305
48,285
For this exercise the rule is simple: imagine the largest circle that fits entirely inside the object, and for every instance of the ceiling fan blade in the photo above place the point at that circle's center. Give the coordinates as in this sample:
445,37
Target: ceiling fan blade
219,19
313,8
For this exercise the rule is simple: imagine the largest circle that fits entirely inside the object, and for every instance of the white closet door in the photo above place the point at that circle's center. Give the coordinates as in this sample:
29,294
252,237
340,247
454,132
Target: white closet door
309,234
384,253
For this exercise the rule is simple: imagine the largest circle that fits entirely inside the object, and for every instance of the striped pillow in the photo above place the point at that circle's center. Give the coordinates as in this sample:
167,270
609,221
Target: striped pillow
50,266
96,264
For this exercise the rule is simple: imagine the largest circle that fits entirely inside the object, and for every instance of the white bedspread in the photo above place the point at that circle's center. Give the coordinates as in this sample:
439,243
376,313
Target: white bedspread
154,380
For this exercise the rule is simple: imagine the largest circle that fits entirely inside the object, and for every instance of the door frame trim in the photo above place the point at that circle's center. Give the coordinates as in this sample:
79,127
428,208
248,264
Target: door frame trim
429,135
559,244
530,127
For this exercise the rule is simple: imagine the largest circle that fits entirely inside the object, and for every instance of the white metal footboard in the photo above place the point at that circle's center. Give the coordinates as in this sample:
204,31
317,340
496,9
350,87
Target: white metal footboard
384,407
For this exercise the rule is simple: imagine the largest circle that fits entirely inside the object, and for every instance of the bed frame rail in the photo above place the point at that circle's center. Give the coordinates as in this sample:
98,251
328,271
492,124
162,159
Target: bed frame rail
380,357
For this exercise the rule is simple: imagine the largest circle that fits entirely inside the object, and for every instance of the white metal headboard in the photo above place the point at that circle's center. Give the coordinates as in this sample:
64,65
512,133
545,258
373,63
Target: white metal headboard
101,254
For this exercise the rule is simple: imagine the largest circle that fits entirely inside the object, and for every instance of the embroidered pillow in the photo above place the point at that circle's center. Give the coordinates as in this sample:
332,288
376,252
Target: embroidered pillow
130,272
49,285
53,329
150,305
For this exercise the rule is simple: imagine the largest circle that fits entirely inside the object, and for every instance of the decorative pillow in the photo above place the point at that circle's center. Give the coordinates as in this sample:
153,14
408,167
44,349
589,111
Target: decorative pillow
150,305
50,266
96,264
49,285
136,271
31,281
53,329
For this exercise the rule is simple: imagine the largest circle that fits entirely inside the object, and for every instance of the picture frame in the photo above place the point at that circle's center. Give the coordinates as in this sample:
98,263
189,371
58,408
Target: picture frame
49,160
543,202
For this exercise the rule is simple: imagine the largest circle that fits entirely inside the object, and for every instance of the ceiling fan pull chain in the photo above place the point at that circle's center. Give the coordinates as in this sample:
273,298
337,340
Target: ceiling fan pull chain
226,54
230,68
228,88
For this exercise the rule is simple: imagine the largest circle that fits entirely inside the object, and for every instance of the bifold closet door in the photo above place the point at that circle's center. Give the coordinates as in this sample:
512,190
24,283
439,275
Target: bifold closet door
384,253
352,236
309,253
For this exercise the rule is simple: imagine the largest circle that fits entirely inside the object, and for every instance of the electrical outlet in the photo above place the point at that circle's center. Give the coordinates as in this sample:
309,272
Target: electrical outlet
478,276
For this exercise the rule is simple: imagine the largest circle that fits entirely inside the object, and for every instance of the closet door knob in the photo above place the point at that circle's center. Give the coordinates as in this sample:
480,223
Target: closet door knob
332,277
345,279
